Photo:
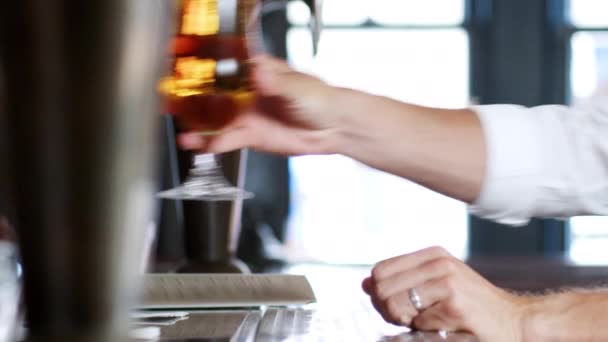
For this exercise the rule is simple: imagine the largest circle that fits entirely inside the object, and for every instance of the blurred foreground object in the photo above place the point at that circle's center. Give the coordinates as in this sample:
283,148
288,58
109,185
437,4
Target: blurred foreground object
80,107
9,282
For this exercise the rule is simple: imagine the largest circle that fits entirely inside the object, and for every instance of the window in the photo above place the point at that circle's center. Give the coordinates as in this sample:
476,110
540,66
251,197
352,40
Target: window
404,49
589,77
588,13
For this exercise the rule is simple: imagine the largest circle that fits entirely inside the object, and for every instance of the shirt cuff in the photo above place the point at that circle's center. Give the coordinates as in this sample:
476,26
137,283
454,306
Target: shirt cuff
514,164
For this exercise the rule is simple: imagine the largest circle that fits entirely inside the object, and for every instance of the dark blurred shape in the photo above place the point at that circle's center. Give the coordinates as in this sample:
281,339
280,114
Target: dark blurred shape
265,216
9,282
6,231
316,24
212,229
170,241
80,106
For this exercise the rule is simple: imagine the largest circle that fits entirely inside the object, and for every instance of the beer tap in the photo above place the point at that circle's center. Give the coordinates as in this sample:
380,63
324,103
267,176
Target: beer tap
315,24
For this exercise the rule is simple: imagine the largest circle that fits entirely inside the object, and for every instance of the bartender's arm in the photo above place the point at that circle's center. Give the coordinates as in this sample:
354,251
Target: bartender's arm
441,149
510,162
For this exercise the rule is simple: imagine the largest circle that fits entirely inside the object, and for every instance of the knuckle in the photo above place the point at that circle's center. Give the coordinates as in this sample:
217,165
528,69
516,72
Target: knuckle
381,270
450,286
377,271
438,251
386,268
454,308
258,142
445,265
396,313
393,308
383,291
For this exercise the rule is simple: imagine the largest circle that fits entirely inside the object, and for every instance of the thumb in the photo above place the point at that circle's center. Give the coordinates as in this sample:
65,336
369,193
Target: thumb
367,285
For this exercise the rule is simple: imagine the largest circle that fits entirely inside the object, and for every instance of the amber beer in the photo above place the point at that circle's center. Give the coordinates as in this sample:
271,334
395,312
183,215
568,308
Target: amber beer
210,80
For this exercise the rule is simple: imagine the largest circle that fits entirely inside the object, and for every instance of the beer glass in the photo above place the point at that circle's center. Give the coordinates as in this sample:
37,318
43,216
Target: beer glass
210,83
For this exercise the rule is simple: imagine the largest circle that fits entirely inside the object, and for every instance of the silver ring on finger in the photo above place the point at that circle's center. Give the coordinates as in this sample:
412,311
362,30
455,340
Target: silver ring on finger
415,299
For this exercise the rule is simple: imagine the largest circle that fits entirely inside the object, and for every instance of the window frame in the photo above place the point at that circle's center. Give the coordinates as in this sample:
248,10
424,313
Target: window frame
370,23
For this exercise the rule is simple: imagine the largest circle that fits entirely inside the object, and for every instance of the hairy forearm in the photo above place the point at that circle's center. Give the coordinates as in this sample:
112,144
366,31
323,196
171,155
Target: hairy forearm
441,149
572,316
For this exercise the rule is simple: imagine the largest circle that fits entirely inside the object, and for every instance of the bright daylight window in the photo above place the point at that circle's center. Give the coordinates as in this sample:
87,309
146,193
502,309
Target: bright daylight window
589,77
410,50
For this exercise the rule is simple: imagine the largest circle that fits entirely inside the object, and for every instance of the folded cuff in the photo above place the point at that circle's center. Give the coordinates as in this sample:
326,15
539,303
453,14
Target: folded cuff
514,164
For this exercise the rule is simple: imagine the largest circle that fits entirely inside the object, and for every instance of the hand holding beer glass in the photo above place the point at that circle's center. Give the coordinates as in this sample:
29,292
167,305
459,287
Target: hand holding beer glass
210,83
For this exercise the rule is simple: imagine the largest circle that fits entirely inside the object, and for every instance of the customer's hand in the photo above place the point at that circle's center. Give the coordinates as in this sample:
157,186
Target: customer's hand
453,297
295,114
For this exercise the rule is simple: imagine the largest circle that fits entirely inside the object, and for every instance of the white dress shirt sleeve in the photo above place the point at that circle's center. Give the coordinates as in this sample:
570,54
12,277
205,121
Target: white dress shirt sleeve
547,161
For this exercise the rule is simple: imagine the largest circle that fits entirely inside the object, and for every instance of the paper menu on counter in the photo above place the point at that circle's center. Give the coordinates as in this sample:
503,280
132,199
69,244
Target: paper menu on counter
202,291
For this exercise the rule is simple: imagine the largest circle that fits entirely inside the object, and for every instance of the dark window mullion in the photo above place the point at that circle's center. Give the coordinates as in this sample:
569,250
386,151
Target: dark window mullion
574,29
373,25
518,56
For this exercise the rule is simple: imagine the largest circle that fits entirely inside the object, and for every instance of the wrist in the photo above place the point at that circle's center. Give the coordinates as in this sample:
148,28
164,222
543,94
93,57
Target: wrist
515,319
537,314
355,114
526,318
343,105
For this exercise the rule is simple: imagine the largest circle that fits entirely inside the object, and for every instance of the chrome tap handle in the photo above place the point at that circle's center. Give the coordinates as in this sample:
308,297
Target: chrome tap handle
316,23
